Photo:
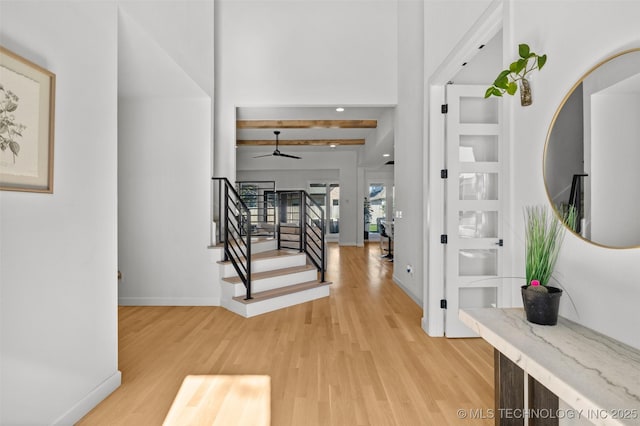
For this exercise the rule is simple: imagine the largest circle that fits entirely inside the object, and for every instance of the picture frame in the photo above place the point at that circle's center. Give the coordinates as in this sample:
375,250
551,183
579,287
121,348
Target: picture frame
27,107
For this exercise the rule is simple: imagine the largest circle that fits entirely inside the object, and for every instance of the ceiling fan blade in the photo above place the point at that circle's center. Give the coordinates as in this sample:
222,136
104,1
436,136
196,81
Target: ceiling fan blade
277,152
290,156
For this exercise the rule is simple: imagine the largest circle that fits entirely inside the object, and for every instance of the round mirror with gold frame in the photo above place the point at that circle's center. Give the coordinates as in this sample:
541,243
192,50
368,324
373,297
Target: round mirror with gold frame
592,153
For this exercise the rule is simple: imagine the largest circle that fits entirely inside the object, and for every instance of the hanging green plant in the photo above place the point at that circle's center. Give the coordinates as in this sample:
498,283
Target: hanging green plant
516,75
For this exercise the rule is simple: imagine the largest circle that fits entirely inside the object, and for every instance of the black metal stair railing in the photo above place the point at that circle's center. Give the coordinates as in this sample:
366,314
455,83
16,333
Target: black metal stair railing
234,228
301,226
313,231
259,196
289,220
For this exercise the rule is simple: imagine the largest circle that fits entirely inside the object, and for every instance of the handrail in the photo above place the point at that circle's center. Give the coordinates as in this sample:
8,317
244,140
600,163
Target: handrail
236,232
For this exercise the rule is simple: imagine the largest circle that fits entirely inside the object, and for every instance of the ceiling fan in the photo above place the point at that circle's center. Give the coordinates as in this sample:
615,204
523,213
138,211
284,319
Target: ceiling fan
277,152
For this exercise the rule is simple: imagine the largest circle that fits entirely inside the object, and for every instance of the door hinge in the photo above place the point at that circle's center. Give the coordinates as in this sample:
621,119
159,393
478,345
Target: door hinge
443,238
444,108
443,304
500,242
444,174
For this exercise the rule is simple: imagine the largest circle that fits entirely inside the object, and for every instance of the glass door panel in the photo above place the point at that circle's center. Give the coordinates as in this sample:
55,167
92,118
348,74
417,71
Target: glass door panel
378,203
477,262
478,224
478,148
478,186
334,213
478,110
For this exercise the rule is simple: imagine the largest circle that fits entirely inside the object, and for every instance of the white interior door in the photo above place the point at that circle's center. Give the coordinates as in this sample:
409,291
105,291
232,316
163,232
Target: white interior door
473,204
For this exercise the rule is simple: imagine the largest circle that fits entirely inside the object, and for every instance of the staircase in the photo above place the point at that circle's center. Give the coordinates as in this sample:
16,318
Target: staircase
262,274
279,278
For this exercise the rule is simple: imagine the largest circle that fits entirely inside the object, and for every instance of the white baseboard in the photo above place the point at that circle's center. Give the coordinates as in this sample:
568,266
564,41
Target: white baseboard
169,301
434,331
92,399
348,243
406,290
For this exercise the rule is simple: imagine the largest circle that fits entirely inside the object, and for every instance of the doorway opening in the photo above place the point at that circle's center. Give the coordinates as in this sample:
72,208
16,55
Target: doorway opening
327,195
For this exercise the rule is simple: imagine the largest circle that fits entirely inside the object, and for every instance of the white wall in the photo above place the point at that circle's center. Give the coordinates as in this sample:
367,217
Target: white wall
59,252
602,283
290,179
615,133
453,18
344,161
599,282
565,149
165,154
606,76
164,202
379,142
297,53
184,29
408,229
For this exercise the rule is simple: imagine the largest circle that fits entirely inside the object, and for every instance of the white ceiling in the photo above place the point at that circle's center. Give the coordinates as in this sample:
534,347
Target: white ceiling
376,143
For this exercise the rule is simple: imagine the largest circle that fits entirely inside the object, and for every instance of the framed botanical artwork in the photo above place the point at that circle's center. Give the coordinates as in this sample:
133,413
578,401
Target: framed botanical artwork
27,101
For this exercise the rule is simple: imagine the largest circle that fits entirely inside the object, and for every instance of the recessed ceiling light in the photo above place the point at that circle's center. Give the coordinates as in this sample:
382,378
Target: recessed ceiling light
386,155
339,109
332,145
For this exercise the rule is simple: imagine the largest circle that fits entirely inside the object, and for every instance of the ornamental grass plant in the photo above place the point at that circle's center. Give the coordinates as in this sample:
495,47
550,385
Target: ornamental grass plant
544,234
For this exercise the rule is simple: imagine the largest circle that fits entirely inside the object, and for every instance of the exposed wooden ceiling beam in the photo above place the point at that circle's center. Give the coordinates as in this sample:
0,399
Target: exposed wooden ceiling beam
306,124
308,142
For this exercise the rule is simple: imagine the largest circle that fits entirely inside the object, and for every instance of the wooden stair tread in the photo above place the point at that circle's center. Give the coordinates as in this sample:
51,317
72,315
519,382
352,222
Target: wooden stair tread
269,254
272,273
281,291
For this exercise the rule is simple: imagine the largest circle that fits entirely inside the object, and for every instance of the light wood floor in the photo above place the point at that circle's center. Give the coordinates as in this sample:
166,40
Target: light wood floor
358,357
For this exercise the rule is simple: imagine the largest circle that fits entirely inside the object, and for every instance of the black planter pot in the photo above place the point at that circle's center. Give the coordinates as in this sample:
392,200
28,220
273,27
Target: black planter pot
541,308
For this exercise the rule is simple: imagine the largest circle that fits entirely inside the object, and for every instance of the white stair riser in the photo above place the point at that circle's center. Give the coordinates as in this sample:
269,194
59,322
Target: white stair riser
276,282
260,246
270,305
216,254
228,291
262,265
284,280
234,306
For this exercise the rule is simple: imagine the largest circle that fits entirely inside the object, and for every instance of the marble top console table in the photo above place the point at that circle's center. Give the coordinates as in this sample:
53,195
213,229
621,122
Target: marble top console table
596,376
